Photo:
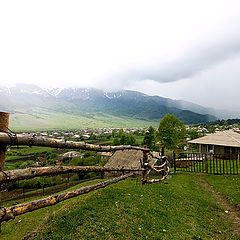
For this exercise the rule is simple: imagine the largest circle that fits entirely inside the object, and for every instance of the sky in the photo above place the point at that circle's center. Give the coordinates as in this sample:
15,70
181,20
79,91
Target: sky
188,49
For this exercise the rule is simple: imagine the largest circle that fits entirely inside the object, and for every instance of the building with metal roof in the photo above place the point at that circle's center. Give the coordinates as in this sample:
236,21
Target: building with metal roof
224,142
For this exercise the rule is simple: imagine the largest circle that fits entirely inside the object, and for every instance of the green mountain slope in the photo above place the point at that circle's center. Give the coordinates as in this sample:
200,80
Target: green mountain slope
40,119
34,108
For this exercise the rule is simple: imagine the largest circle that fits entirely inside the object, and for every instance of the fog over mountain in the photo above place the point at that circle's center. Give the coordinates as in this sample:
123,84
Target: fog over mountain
38,106
186,49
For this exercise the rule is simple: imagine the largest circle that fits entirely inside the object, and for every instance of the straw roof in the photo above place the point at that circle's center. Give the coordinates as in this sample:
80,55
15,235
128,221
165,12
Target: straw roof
224,138
129,159
125,159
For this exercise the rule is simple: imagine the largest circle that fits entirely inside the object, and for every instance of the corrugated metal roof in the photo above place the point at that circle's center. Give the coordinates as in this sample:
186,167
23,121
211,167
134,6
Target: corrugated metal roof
223,138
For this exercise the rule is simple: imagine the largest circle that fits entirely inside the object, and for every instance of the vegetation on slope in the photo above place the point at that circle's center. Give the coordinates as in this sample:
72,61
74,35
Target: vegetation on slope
45,120
181,209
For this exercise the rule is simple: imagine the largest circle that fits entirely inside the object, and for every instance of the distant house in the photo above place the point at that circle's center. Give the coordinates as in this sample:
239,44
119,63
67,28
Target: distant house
86,135
224,142
105,154
76,136
70,155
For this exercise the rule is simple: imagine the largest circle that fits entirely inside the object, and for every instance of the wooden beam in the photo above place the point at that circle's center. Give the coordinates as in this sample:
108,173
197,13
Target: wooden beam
4,121
145,166
28,173
33,140
11,212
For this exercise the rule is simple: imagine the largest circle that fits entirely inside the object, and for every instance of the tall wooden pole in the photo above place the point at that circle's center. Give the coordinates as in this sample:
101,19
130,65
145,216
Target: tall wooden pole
146,169
4,121
174,161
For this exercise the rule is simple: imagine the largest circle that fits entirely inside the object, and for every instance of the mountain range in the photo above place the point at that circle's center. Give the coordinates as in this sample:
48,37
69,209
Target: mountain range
32,107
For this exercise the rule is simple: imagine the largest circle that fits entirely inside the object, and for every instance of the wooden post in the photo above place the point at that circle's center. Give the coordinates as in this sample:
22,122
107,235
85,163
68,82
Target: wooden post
4,121
144,173
162,151
174,161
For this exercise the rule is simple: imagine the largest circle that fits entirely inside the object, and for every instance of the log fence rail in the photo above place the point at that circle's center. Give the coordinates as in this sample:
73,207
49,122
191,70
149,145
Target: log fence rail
9,138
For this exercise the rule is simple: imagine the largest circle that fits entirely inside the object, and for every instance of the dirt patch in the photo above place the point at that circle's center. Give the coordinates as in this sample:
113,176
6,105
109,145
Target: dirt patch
233,212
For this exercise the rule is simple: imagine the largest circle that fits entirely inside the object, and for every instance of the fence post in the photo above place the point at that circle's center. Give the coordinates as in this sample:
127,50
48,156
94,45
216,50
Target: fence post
174,161
162,151
144,173
4,121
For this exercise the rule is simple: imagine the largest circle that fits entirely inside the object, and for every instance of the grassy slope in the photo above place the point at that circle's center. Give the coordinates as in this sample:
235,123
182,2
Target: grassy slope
229,185
25,151
182,209
42,120
24,224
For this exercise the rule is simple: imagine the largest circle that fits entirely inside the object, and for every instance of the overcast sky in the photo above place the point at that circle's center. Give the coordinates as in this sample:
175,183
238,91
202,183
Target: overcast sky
182,49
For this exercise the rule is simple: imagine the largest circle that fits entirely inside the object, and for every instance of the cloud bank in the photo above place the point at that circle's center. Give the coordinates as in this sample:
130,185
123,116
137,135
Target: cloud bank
120,44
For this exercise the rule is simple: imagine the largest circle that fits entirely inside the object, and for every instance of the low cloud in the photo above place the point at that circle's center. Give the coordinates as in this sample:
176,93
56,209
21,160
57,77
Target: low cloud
195,60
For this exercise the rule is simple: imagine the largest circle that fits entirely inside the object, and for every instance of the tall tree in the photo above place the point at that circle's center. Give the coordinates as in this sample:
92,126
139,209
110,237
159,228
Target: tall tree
171,131
193,134
149,138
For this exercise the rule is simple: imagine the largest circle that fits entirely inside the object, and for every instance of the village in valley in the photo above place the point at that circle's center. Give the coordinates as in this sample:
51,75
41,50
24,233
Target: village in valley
208,148
110,136
120,120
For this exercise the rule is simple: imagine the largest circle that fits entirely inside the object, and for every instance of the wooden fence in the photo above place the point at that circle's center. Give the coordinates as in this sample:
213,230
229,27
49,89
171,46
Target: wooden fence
9,138
207,163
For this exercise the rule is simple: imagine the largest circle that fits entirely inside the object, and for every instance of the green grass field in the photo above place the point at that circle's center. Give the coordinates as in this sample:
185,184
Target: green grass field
40,119
181,209
23,152
228,185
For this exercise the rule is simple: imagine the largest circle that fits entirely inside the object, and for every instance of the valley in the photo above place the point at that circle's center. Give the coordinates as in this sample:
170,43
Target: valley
33,108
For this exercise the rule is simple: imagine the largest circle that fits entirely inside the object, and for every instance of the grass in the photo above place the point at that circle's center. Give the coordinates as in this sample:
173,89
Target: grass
216,166
26,223
229,185
104,141
39,119
181,209
25,151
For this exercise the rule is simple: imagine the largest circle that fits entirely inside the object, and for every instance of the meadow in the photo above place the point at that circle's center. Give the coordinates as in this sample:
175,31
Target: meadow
40,119
182,207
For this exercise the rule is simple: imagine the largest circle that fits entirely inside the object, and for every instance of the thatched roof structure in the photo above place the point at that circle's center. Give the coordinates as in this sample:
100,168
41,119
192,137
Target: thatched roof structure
225,138
129,159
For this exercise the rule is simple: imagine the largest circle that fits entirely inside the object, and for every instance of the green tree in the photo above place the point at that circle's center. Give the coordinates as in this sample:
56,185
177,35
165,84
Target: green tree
171,131
123,139
131,140
120,133
193,134
114,133
149,138
116,141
